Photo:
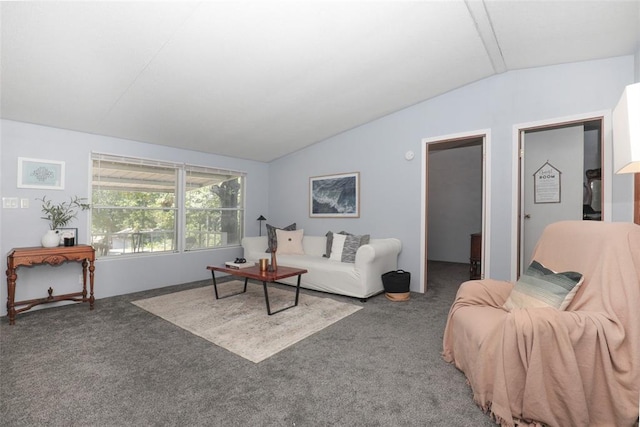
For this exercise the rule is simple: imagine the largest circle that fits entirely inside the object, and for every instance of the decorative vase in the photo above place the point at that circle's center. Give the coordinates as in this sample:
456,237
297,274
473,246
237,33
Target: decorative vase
274,262
51,239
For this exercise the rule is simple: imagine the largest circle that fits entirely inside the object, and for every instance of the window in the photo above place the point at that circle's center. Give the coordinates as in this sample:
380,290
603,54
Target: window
142,206
213,207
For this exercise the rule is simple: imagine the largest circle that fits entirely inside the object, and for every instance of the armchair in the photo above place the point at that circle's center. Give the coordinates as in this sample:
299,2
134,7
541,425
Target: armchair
579,366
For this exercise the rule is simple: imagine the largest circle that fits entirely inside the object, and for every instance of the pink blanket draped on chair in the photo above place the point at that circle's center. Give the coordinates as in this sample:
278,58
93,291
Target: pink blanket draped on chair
579,367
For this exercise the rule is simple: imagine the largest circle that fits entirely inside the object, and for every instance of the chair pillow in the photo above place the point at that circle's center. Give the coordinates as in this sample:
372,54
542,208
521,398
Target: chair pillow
541,287
272,238
351,245
290,242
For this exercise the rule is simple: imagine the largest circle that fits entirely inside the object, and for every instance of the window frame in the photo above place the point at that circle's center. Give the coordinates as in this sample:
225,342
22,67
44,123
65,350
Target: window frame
180,204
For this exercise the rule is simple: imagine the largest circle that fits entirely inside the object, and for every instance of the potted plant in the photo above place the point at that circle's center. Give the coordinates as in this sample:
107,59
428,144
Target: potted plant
59,215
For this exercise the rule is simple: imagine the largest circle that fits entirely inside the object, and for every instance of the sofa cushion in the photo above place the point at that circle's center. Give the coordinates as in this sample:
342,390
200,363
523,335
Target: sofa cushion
272,239
541,287
351,245
290,242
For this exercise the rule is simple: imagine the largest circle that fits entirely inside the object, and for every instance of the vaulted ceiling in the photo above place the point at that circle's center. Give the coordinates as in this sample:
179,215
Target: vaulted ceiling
258,80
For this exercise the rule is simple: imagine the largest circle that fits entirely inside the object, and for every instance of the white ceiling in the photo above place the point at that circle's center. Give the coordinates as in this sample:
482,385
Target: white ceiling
258,80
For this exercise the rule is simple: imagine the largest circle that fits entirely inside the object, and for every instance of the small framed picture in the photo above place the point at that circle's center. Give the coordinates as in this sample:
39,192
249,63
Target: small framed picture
68,236
38,173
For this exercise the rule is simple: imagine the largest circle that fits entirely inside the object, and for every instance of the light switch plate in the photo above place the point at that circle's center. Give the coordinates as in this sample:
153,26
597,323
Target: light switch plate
9,202
24,203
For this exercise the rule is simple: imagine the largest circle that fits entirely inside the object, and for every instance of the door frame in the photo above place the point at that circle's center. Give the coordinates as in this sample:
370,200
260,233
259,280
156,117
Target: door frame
485,136
607,175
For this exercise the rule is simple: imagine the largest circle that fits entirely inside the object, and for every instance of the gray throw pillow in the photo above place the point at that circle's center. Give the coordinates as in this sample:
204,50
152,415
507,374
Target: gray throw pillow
273,239
327,252
351,245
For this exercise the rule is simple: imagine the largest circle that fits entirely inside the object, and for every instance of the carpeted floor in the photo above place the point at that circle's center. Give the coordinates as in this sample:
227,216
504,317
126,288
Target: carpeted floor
122,366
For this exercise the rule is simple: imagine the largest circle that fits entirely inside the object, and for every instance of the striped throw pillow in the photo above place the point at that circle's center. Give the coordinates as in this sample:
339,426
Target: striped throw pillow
351,245
541,287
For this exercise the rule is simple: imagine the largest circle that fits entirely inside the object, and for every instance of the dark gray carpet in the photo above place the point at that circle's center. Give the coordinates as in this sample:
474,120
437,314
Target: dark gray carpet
122,366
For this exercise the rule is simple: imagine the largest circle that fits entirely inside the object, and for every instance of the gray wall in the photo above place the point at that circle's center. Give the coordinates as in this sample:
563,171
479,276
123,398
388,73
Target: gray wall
391,186
455,202
637,55
23,227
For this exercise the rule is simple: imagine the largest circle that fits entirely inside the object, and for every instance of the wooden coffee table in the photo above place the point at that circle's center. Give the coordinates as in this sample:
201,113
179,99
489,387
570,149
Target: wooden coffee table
262,276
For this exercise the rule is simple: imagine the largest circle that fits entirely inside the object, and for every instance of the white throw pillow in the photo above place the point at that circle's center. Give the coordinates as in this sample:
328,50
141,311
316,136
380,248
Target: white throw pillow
337,246
290,242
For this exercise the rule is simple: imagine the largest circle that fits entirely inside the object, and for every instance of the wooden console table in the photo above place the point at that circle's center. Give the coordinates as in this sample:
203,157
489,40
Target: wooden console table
53,256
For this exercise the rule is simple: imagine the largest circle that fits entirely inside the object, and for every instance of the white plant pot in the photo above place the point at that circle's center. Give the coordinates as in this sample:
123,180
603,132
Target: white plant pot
51,239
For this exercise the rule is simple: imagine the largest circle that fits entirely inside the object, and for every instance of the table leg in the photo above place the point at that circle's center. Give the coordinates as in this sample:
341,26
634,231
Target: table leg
298,289
266,298
92,299
11,295
215,287
85,263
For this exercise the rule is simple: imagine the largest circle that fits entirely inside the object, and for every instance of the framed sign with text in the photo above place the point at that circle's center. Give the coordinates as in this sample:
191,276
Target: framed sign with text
547,184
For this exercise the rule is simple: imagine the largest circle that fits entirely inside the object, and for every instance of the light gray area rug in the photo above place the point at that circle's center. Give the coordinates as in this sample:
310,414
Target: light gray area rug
240,323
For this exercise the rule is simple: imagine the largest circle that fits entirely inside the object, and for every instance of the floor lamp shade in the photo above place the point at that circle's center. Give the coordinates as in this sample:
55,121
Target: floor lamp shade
260,219
626,131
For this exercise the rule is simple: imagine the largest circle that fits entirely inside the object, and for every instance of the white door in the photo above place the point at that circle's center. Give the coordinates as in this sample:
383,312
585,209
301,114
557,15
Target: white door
562,149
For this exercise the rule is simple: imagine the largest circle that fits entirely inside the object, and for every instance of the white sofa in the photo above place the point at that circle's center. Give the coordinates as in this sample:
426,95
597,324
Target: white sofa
361,279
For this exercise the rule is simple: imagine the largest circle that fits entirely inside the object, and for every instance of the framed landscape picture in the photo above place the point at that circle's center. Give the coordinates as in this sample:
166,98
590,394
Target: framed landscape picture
335,196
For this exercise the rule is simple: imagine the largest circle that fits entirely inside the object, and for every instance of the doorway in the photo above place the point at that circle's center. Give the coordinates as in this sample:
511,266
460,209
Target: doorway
560,178
455,183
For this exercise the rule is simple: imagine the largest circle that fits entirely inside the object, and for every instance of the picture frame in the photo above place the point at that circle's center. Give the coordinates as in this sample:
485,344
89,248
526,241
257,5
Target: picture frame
335,196
547,184
68,233
40,173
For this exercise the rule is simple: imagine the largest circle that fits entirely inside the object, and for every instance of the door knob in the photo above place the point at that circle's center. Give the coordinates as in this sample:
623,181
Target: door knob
527,216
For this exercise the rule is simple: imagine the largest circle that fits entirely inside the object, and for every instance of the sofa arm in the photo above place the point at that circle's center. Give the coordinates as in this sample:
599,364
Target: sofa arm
376,250
376,258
